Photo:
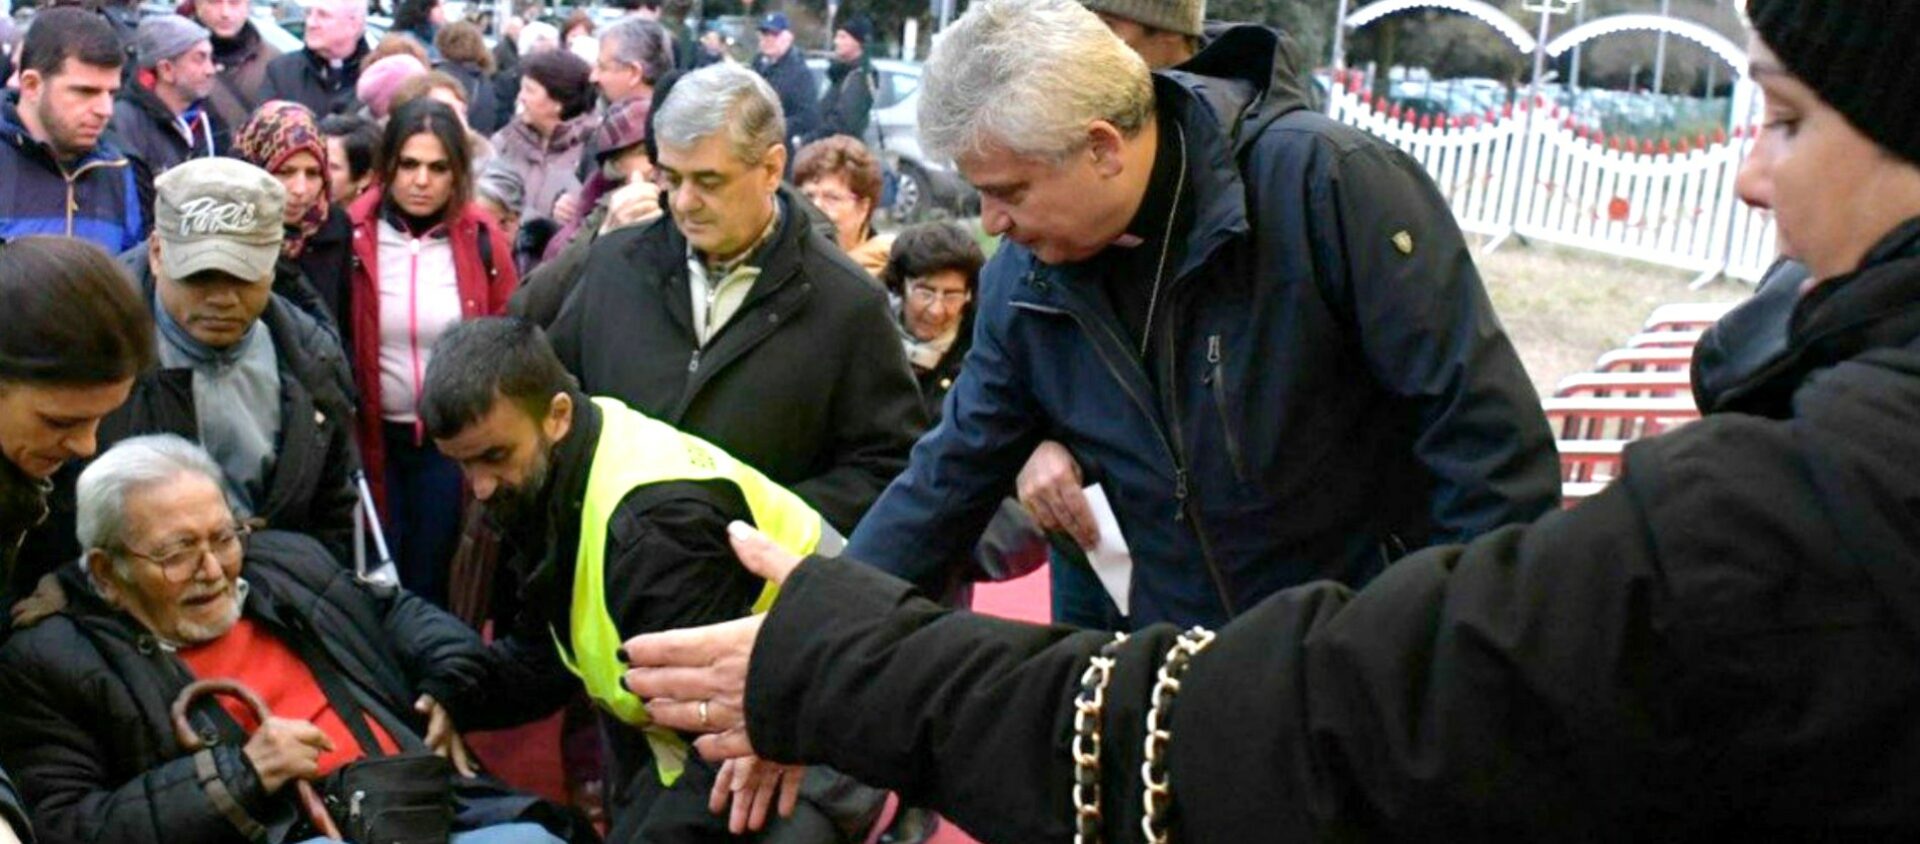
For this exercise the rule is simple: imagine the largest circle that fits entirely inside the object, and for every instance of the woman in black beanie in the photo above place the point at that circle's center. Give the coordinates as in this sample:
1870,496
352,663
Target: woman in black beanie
545,140
1724,644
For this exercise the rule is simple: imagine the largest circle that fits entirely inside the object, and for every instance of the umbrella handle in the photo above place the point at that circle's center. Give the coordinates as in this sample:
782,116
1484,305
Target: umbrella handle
183,730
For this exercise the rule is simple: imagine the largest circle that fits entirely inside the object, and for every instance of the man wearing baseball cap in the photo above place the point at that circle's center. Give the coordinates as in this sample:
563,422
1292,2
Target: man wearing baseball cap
786,70
162,118
243,372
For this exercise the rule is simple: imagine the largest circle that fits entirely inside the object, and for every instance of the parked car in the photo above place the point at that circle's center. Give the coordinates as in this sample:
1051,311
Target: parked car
919,185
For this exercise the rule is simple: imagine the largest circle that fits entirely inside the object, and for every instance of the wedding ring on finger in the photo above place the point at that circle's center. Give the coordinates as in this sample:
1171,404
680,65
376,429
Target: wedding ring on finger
704,720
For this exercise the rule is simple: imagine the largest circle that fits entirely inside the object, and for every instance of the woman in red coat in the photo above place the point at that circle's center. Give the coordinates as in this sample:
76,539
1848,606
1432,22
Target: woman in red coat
425,258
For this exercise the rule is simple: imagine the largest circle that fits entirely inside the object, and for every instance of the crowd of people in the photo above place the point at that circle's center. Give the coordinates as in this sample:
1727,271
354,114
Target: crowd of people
359,397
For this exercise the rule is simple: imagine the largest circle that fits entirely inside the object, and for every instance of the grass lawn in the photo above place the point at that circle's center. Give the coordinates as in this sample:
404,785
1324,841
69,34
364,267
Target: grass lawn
1565,307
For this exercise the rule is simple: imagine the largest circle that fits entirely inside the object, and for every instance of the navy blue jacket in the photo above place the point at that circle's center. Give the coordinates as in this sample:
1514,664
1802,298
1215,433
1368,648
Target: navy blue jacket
100,198
799,93
1327,400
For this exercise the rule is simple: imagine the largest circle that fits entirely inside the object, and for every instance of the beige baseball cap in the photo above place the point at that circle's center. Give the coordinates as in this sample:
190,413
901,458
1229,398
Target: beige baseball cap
219,214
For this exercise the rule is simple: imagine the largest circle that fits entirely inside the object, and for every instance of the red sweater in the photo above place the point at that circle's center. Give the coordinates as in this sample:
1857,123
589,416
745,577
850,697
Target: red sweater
263,663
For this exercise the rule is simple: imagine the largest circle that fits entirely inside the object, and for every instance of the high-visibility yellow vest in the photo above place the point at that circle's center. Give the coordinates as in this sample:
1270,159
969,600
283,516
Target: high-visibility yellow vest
635,451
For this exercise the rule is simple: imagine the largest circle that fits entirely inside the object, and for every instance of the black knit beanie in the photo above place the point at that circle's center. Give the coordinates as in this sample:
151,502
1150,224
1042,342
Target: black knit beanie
1858,55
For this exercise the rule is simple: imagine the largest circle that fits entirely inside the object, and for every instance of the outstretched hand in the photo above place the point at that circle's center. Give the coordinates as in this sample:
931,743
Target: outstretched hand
695,680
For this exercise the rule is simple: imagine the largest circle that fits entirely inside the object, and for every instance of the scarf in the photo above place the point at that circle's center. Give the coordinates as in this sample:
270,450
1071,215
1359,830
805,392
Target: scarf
923,354
278,131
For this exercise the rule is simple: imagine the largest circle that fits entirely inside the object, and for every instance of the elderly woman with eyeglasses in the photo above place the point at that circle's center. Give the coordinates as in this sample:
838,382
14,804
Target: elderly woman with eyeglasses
932,272
840,176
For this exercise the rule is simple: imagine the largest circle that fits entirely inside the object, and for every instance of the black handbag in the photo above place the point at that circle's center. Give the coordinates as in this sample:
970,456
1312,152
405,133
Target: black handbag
401,799
382,798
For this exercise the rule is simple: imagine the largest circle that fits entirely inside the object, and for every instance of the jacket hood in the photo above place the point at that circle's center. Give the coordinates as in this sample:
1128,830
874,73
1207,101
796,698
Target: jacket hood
1257,73
1757,357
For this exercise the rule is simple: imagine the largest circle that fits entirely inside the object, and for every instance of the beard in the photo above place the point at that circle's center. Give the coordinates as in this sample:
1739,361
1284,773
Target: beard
62,134
192,633
516,506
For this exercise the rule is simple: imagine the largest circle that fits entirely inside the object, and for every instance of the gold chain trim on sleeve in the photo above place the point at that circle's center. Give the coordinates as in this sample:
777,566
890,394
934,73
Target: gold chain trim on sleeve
1153,771
1087,708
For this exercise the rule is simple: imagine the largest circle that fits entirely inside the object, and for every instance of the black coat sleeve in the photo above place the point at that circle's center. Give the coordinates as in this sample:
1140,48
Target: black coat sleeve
1406,279
1682,654
669,563
548,286
336,497
523,681
439,653
877,417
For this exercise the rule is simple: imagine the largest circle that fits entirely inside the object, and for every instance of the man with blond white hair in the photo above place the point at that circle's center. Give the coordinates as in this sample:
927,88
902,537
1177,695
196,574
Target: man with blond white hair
1258,330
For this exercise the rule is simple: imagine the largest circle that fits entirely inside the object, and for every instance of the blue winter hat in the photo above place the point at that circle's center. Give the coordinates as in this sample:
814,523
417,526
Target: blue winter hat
776,22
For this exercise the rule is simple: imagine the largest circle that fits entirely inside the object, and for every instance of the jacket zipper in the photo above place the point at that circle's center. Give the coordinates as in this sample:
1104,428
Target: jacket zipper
1181,489
73,201
413,334
1216,378
1170,357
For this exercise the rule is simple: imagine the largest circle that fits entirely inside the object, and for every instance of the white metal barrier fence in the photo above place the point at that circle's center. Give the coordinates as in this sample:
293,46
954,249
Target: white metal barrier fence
1544,179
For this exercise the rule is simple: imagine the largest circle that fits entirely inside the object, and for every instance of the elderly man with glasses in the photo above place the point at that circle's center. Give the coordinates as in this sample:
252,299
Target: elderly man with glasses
172,592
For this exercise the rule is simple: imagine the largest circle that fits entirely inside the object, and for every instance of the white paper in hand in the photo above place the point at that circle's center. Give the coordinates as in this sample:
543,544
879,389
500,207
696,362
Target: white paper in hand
1110,559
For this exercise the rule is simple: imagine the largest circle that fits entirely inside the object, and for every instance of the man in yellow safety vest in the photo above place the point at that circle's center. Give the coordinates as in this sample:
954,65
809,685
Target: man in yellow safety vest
617,524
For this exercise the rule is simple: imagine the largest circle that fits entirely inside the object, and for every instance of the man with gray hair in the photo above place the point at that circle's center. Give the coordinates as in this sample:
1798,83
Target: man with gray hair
635,54
733,319
1258,330
174,591
162,118
324,75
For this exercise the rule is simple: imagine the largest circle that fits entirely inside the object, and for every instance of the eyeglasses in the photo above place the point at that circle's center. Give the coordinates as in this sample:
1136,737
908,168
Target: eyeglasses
828,197
923,295
179,560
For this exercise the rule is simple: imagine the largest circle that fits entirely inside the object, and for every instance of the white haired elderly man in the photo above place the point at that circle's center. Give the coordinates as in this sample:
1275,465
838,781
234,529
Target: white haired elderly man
323,75
173,592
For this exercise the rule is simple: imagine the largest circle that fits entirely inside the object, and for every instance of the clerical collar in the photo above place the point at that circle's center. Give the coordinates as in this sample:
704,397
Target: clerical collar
1150,221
